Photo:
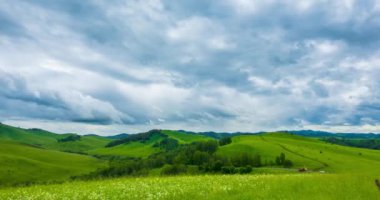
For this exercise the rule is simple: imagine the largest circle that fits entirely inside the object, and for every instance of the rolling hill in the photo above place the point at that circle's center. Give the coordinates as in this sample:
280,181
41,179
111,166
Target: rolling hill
311,153
145,147
22,163
44,139
34,155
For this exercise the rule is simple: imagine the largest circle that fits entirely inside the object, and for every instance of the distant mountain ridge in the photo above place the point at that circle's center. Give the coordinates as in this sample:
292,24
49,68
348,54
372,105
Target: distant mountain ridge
312,133
218,135
305,133
118,136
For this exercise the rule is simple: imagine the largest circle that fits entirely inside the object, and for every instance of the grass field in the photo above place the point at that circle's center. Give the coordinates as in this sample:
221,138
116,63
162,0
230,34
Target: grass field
296,186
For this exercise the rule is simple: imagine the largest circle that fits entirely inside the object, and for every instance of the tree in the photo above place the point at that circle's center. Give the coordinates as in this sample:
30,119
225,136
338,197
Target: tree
288,163
224,141
245,159
200,158
256,161
168,144
282,158
278,161
209,146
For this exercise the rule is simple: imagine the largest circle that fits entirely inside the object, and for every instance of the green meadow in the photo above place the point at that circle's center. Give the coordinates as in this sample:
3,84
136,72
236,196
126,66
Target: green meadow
284,186
36,164
22,163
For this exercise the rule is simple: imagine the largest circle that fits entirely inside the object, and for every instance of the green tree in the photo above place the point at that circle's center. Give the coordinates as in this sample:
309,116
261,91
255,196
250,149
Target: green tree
288,163
225,140
282,158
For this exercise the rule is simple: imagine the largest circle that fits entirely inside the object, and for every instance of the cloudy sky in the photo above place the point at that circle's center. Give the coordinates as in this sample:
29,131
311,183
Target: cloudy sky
105,66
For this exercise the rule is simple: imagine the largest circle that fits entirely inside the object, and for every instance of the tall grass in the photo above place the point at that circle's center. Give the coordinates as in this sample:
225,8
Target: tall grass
290,186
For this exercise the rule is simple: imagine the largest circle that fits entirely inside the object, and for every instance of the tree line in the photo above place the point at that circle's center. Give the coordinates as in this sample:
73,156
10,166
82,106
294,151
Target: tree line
361,143
194,158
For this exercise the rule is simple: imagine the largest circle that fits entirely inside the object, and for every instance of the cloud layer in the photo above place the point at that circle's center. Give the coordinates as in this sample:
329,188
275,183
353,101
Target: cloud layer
229,65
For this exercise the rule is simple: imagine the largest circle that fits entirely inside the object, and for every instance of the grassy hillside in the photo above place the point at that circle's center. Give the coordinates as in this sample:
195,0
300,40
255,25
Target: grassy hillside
296,186
133,149
350,172
33,136
146,148
184,138
85,144
21,163
130,149
48,140
305,152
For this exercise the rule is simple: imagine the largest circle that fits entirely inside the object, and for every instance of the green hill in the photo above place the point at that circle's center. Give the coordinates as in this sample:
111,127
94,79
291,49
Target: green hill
185,138
305,152
130,149
48,140
21,163
34,155
35,137
143,144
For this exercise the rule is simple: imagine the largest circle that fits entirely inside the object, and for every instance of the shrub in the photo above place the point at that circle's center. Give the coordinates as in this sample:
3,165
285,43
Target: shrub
245,170
229,170
173,169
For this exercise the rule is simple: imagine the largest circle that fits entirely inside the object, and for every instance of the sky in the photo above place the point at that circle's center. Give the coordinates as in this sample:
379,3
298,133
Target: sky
113,66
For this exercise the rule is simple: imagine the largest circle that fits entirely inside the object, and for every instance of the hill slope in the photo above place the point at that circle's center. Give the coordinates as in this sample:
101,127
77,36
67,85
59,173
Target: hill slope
305,152
48,140
22,163
145,145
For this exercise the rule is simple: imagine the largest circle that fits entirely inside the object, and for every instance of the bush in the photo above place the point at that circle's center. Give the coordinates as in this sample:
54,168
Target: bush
173,169
229,170
245,170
